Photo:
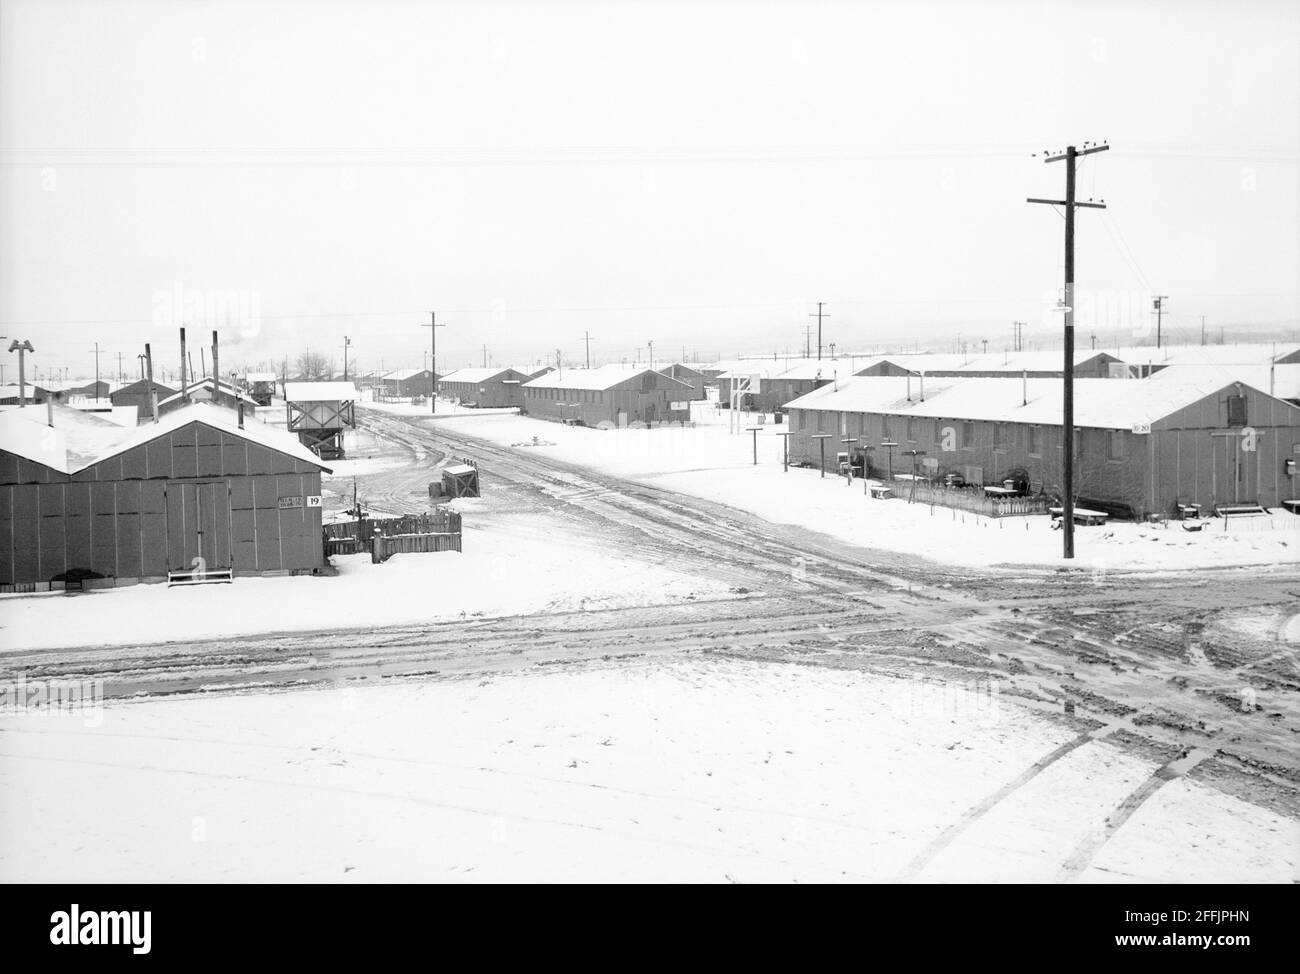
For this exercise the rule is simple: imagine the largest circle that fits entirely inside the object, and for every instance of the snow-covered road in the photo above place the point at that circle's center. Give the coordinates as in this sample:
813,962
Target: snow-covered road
678,770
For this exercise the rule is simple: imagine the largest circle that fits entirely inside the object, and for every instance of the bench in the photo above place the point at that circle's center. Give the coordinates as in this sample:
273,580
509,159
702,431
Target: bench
1082,515
199,577
1292,505
880,492
1186,511
1228,510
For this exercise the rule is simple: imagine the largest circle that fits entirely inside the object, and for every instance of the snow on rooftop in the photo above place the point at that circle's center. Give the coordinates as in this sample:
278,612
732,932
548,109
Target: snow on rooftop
1282,381
474,375
1039,360
320,392
827,368
76,436
117,415
79,439
764,370
1099,403
599,379
401,374
205,385
1254,353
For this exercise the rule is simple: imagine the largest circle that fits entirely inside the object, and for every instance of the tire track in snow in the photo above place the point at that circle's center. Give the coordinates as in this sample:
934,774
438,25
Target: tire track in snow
1087,850
976,812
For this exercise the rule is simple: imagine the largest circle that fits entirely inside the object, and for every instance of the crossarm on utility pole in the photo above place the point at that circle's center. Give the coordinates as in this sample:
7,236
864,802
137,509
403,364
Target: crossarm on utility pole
1094,206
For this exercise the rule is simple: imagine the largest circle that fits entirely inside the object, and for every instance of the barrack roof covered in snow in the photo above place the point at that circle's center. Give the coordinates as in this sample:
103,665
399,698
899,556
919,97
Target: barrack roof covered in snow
401,374
206,383
827,368
320,392
1098,403
1282,381
79,440
598,379
764,370
1039,360
476,375
1244,354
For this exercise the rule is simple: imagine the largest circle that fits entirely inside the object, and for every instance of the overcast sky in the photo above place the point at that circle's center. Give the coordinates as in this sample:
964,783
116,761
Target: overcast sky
694,174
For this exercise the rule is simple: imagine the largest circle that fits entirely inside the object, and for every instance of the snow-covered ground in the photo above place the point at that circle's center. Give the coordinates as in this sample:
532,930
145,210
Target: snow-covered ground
710,462
693,769
508,566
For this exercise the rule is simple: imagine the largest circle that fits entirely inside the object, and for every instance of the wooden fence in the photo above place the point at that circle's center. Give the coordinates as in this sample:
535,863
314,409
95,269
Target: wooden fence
974,500
384,546
355,537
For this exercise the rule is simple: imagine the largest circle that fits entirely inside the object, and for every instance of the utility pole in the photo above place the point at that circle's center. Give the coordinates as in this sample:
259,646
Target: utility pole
485,356
651,346
819,316
346,343
96,371
120,375
1160,310
807,337
586,337
433,327
1202,329
985,343
1070,157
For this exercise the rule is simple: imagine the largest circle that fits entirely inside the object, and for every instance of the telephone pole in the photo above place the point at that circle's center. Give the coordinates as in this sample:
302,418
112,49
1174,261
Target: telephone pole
96,371
346,343
586,337
819,316
1160,299
433,327
1202,329
807,337
1070,157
